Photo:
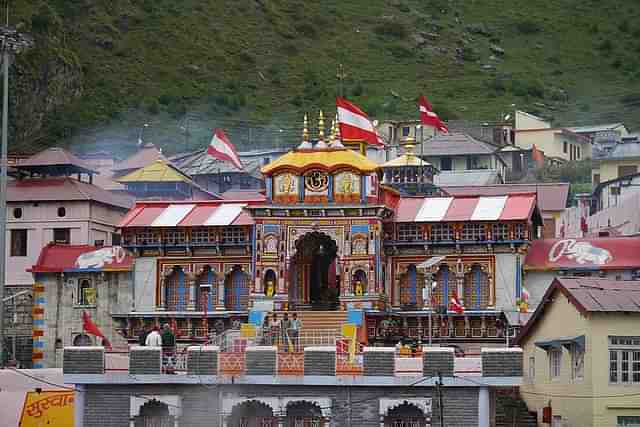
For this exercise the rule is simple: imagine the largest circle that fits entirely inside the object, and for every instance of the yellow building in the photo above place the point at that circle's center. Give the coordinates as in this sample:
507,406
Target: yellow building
556,143
581,352
616,159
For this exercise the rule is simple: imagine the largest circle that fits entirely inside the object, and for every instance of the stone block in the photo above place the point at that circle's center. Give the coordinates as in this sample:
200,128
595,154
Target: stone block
83,360
261,360
320,361
202,360
437,360
501,362
379,361
145,360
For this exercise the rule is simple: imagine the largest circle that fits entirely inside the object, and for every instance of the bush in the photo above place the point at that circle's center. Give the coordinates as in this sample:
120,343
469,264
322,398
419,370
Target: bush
400,51
605,45
532,88
469,54
624,26
152,106
528,26
357,90
307,30
391,29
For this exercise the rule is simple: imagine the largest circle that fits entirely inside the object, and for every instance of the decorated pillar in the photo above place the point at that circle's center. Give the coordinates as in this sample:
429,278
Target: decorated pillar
192,283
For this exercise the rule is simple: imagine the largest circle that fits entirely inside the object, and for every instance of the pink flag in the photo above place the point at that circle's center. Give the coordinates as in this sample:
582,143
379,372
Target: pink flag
222,149
355,124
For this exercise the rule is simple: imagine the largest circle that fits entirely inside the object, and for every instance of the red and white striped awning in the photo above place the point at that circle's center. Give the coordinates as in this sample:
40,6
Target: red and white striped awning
451,209
186,215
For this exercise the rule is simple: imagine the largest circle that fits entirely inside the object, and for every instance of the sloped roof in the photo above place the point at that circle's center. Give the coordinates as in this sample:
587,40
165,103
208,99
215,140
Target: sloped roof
56,258
201,163
159,171
63,189
328,160
589,295
54,157
146,155
405,160
244,195
474,177
454,144
619,151
551,196
596,128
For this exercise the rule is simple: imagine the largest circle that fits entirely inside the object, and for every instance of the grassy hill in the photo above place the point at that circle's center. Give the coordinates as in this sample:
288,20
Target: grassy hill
102,68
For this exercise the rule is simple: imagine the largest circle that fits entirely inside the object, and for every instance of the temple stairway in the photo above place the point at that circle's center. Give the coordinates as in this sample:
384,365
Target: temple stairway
320,320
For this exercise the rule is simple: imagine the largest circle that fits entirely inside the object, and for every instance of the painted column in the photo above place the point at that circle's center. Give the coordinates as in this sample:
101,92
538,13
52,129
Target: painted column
163,292
484,408
191,283
220,285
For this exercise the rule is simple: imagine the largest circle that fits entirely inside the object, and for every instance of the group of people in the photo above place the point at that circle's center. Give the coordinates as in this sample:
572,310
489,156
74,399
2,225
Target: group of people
284,333
166,340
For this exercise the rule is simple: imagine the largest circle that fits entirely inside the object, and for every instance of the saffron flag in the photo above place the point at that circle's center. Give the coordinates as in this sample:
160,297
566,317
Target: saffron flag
222,149
355,124
537,156
429,117
456,305
91,328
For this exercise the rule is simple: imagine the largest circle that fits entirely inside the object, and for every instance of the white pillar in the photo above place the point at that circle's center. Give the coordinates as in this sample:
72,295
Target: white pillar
191,286
78,405
484,411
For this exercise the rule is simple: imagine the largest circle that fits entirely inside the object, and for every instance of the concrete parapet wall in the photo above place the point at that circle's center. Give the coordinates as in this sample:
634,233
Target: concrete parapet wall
261,360
145,360
202,360
437,360
501,362
320,361
83,360
379,361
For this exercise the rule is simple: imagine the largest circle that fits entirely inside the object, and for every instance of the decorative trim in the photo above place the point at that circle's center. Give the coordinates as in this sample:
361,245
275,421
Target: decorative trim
387,405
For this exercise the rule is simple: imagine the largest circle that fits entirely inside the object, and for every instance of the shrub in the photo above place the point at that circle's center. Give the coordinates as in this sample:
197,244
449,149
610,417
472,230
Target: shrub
469,54
605,45
307,30
152,106
391,29
532,88
400,51
624,26
528,26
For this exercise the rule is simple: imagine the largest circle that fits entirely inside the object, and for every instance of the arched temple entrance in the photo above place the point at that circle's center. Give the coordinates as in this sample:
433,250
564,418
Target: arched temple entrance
252,414
314,281
154,414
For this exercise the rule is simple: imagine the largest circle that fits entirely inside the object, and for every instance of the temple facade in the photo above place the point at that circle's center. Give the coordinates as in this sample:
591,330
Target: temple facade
334,232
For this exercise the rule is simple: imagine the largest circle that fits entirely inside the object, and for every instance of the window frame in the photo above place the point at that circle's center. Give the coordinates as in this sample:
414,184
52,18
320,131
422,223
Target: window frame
408,232
80,297
532,369
565,147
234,234
442,233
406,131
555,364
67,231
626,350
23,245
577,363
473,231
501,230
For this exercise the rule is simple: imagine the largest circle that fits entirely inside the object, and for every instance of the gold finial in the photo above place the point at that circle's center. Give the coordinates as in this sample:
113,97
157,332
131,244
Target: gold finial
409,145
321,127
337,140
305,129
332,133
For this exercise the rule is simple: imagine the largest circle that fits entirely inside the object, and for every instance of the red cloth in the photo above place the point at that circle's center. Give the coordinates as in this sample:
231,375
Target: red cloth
455,305
89,327
355,124
222,149
429,117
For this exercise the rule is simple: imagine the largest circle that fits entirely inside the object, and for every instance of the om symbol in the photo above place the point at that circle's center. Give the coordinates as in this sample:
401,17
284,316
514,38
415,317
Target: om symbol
316,181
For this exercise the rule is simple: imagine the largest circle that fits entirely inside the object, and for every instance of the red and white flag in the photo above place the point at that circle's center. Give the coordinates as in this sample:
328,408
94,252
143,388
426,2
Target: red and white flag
429,117
222,149
355,124
456,305
91,328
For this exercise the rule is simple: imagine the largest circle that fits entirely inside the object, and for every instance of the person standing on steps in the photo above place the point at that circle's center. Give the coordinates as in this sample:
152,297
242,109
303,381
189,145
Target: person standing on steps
294,331
275,330
285,325
168,349
153,338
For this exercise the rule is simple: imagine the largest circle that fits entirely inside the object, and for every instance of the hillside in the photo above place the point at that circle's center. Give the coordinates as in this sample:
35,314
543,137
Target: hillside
102,68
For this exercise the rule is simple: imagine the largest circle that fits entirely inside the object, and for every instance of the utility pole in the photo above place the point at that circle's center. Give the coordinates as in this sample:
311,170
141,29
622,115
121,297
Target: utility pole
440,400
11,42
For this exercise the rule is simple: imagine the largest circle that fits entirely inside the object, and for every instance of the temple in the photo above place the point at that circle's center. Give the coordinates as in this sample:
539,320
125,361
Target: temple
333,232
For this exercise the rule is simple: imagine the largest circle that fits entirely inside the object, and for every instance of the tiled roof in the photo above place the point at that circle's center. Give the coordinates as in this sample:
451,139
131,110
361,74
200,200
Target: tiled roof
63,189
146,155
54,156
589,295
158,171
454,144
551,196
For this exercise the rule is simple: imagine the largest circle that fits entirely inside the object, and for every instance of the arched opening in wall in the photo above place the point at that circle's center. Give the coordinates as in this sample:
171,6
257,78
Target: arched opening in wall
270,283
445,287
252,414
313,271
236,286
359,282
304,414
154,414
411,287
405,415
207,289
176,290
476,288
82,340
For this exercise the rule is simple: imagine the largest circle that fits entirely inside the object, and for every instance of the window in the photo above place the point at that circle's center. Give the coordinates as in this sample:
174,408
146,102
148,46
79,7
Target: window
472,162
86,293
624,360
596,178
578,153
532,368
564,147
202,235
628,421
175,237
234,235
577,362
19,242
627,170
147,237
406,130
17,213
62,235
409,232
520,231
62,212
116,239
473,232
441,232
445,163
266,161
555,361
500,232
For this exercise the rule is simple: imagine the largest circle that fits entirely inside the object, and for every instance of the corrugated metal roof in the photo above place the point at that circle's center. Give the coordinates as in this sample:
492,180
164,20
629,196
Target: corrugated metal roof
56,258
201,163
63,189
54,156
158,171
146,155
467,177
454,144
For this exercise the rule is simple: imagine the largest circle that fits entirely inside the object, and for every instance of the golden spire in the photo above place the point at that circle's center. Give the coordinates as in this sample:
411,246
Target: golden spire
305,144
321,127
409,145
337,140
332,133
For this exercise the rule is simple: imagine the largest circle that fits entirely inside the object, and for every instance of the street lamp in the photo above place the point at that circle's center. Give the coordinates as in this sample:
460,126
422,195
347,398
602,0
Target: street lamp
11,43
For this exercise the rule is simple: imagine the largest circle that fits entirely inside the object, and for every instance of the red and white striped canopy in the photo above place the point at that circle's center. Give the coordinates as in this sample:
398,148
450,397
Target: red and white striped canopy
186,215
446,209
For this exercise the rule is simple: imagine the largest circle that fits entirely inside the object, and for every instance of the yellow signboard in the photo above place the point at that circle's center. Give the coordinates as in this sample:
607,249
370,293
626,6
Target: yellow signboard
48,408
247,330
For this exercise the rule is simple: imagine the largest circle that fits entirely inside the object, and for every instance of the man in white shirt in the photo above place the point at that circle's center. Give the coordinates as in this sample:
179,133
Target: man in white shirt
154,339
